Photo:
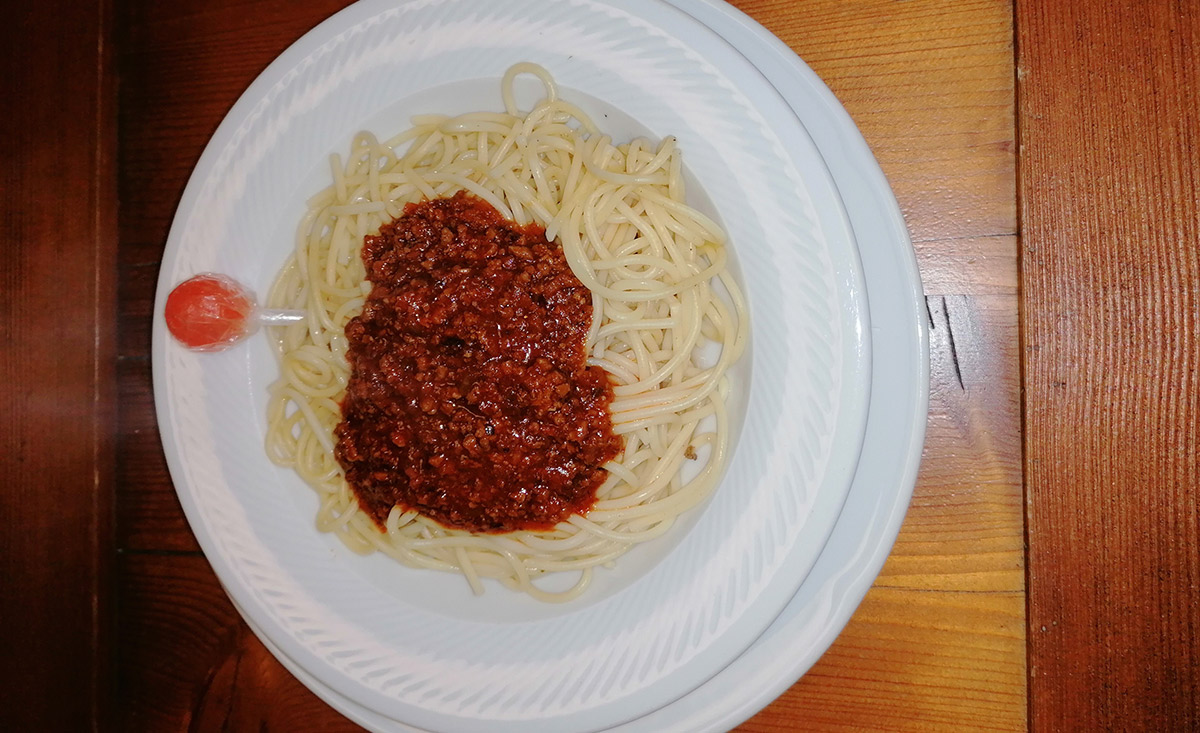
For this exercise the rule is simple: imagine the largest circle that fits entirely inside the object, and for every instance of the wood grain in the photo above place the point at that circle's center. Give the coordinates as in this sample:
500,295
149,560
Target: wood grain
938,644
199,668
1111,310
930,83
884,674
149,516
183,66
57,330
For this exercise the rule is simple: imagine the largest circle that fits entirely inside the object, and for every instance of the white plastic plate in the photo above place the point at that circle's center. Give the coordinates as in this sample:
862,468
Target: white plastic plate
414,646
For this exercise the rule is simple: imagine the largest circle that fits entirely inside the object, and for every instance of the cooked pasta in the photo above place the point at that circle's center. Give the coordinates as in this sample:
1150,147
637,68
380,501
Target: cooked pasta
668,322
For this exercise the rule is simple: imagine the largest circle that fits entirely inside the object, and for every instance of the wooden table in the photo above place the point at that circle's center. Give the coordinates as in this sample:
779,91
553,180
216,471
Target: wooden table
1048,571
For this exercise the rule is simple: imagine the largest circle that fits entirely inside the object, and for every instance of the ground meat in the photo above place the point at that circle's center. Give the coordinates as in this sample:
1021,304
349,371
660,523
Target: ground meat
469,398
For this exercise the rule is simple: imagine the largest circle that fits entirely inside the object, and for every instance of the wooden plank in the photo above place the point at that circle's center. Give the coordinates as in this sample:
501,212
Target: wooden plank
58,330
148,513
972,266
939,642
887,673
189,663
930,84
1111,314
964,528
136,297
183,65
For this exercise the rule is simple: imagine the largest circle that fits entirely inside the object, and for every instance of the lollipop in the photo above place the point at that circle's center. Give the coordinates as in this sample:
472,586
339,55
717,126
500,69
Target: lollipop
211,312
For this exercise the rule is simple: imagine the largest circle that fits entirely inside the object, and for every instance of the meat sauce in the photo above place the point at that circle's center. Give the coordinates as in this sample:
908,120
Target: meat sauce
469,398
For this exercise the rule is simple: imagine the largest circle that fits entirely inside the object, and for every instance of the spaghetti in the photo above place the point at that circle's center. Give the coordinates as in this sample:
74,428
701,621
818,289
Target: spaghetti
668,322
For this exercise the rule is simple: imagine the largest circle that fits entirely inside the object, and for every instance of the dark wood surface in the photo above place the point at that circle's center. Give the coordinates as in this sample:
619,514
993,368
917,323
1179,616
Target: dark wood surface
1111,313
1082,321
57,343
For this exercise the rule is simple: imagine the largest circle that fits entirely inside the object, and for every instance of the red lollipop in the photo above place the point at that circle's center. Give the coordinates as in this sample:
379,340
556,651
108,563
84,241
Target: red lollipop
211,312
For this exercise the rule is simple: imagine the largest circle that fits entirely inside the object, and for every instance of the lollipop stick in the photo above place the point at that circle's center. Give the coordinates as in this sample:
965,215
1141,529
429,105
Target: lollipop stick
279,316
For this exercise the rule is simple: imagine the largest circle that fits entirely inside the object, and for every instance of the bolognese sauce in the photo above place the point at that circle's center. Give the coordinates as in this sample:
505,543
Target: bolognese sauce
470,400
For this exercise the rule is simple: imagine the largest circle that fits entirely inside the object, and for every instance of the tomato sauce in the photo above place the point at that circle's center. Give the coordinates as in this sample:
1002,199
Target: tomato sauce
469,398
